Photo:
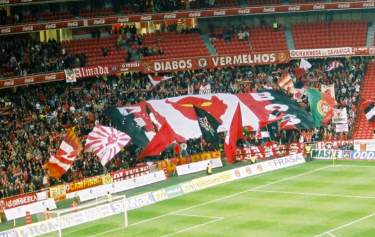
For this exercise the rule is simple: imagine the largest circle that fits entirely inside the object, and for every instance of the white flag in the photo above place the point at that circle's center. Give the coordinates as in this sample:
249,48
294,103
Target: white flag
305,64
70,75
105,142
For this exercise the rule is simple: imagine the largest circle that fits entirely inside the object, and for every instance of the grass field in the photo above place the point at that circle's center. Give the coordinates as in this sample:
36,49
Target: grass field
314,199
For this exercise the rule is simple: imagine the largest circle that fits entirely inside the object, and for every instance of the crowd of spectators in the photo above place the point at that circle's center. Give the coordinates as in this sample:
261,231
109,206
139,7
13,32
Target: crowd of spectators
33,119
23,55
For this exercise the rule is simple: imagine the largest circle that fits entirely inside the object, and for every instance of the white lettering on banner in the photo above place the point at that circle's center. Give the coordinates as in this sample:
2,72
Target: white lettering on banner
173,65
343,5
194,14
268,9
219,13
263,96
329,154
244,11
170,16
123,19
28,28
72,24
51,26
291,119
33,208
146,18
243,59
9,83
294,8
50,77
140,201
187,187
99,21
5,30
160,195
120,186
319,6
91,71
28,80
368,4
198,166
306,53
363,155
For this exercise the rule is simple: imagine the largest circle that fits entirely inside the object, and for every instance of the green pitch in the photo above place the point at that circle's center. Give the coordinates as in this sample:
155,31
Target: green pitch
314,199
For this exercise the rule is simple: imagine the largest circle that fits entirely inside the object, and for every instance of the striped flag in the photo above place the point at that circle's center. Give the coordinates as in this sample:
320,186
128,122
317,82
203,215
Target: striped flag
61,162
286,82
157,79
106,142
333,65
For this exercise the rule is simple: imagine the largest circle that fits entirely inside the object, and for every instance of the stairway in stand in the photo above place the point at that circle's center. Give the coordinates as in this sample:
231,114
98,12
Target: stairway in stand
362,129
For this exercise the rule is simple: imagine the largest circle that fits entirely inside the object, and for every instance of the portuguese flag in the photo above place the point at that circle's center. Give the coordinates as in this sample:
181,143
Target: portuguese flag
321,105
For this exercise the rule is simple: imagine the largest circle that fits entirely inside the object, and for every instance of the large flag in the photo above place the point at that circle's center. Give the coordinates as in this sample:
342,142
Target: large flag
106,142
368,108
165,137
321,105
333,65
208,125
61,162
234,133
179,112
286,82
157,79
370,112
127,123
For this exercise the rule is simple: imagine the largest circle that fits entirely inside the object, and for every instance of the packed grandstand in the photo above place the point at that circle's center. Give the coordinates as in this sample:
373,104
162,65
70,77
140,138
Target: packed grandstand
124,88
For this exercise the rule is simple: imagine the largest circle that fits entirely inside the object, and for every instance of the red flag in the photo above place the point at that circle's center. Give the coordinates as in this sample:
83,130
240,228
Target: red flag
330,102
161,141
64,158
234,133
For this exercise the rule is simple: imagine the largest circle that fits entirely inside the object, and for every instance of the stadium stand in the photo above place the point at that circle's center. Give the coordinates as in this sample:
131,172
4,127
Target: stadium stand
32,125
175,45
362,129
333,34
23,55
94,49
256,39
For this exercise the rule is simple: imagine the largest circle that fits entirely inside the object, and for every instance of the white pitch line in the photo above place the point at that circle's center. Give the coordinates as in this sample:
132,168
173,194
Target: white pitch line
316,194
358,166
202,216
330,234
346,225
215,200
192,227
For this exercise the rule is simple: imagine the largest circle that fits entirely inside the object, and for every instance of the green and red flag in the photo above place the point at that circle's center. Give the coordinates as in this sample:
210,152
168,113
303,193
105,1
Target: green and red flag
321,105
